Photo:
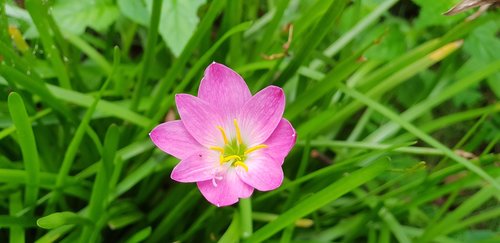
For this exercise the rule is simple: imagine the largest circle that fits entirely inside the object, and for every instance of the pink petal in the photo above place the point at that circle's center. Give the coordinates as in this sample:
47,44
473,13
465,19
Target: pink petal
200,166
225,191
281,141
200,119
223,88
264,172
261,114
173,138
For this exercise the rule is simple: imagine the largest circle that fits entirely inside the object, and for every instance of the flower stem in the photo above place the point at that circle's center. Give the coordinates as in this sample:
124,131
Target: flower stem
246,217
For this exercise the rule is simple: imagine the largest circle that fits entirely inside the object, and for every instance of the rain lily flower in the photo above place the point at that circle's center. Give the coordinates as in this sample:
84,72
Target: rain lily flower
229,142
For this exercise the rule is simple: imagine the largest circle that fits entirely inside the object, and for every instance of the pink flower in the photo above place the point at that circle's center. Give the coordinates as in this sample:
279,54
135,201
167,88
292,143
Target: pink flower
229,142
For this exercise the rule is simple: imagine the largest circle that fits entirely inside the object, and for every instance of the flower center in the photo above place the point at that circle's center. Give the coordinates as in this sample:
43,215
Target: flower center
235,151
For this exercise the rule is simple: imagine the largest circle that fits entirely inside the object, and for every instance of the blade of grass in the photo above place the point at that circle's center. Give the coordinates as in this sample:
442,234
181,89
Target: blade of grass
271,27
100,190
312,40
39,14
104,106
59,219
169,220
371,146
451,119
464,209
326,85
140,236
35,86
14,221
148,54
353,32
16,233
26,140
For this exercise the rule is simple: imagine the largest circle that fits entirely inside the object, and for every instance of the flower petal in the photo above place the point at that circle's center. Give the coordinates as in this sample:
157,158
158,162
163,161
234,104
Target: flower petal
200,119
281,141
200,166
225,191
173,138
261,114
264,172
223,88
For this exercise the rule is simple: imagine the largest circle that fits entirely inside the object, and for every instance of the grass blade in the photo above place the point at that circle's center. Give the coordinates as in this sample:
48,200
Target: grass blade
26,140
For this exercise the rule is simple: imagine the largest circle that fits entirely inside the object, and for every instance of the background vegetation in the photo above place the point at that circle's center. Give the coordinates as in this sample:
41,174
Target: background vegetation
396,108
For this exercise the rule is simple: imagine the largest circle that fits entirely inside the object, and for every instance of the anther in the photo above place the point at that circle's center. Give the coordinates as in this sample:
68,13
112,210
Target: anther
252,149
216,148
238,132
223,134
231,157
239,163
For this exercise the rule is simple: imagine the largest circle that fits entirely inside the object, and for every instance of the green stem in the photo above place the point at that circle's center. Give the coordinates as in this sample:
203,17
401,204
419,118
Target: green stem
246,217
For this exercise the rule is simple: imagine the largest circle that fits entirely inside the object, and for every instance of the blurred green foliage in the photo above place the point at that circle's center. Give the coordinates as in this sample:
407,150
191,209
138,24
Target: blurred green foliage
396,108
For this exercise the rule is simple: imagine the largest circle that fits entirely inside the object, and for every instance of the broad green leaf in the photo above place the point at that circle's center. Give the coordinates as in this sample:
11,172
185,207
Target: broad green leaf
178,22
135,10
74,15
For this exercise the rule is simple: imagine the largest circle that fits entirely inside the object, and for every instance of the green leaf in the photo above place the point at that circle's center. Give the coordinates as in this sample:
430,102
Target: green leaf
56,220
74,15
178,22
135,10
431,13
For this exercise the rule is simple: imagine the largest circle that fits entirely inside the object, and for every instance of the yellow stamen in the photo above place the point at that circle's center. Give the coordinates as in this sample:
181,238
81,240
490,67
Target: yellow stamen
230,157
216,148
221,159
260,146
239,163
223,134
238,132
